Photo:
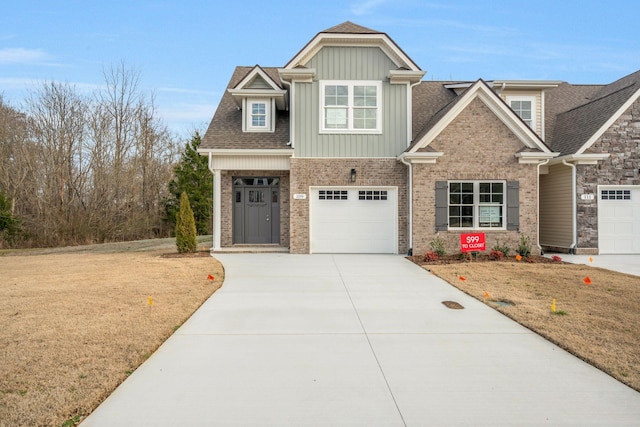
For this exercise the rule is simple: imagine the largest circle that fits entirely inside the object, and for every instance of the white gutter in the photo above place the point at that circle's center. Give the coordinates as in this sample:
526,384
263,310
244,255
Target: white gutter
572,248
538,207
291,112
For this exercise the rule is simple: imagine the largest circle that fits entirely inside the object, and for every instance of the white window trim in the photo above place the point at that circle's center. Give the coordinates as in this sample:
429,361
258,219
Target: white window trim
247,116
477,205
350,84
534,107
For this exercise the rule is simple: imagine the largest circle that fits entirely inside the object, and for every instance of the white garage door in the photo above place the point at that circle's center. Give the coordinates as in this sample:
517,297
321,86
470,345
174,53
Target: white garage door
619,220
354,220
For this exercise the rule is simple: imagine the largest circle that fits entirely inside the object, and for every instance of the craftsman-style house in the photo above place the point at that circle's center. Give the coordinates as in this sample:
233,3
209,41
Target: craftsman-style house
346,149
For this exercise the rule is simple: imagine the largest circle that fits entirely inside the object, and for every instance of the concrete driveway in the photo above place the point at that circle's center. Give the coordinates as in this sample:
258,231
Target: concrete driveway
357,340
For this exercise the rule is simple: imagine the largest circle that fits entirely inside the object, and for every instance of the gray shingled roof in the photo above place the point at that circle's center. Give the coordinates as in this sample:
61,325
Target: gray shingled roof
573,128
349,27
563,98
429,98
225,129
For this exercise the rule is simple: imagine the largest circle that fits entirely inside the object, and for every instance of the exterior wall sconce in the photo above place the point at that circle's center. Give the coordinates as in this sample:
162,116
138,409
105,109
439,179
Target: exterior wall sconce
353,175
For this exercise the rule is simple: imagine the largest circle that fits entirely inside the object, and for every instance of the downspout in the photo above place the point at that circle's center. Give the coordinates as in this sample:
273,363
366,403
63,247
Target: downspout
572,248
409,165
291,113
538,208
410,197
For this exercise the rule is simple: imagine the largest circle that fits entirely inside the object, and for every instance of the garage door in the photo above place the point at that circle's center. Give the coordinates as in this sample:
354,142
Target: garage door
619,220
354,220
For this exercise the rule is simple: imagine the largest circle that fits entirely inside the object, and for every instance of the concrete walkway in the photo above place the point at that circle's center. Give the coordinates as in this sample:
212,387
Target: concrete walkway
629,264
357,340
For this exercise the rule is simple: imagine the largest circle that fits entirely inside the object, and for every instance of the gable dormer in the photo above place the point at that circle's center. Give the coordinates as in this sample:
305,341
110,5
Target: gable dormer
525,97
259,97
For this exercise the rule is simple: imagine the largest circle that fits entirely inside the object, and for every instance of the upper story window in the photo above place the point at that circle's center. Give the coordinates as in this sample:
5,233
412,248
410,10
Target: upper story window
257,117
350,106
525,107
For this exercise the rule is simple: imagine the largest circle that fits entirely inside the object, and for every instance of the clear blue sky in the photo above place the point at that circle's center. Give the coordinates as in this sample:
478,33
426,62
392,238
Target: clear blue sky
185,51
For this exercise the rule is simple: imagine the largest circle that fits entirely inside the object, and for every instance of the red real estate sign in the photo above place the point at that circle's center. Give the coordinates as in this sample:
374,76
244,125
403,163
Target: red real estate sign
472,242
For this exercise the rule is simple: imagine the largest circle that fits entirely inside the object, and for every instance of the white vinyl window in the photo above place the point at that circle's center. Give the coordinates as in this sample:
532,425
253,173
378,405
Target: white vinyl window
525,107
477,204
257,116
350,106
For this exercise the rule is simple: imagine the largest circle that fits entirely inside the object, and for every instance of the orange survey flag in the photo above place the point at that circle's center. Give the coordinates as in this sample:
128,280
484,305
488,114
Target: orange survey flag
210,277
587,280
462,278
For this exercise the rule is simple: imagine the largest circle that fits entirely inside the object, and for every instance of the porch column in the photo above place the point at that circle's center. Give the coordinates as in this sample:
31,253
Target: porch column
217,224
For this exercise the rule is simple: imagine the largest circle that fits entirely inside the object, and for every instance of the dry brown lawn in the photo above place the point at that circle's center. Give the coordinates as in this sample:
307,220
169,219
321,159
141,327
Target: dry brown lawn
75,325
599,322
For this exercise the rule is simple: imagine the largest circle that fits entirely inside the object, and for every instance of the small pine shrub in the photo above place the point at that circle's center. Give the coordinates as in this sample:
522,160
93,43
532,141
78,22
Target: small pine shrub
501,247
185,227
524,246
437,246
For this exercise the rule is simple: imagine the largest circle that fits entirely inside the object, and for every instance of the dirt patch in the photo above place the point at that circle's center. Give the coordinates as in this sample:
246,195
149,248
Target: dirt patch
75,325
591,312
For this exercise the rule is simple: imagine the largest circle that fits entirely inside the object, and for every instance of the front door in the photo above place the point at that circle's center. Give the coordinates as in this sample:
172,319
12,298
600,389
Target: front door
256,216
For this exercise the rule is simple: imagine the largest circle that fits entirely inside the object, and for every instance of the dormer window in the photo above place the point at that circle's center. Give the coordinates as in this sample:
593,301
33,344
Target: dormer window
525,107
257,115
350,106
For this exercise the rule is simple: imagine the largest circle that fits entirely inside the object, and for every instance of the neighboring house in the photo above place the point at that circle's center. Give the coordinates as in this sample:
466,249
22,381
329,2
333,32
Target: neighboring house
590,193
345,149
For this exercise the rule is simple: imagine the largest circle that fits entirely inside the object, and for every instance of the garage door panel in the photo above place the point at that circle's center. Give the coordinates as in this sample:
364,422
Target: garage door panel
619,220
354,225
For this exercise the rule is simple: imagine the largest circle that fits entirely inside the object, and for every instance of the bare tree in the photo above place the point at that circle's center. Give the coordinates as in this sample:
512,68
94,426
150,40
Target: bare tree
85,169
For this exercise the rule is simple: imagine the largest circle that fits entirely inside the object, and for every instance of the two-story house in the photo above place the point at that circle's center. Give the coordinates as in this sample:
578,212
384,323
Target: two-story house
345,149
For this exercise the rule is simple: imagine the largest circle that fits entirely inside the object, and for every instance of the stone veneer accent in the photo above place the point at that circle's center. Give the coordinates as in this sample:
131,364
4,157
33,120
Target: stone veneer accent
476,146
226,197
307,172
622,141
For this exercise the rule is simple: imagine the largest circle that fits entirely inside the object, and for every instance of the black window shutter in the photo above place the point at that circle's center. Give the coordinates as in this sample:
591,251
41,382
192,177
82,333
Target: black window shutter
442,217
513,205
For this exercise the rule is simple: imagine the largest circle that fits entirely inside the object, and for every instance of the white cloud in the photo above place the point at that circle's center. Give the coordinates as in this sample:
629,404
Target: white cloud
22,56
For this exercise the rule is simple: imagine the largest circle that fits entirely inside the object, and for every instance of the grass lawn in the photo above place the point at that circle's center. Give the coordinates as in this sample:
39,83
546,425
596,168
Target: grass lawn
597,312
75,325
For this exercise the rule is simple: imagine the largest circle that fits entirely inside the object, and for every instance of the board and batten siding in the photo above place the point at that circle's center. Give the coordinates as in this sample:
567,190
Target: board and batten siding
556,210
350,63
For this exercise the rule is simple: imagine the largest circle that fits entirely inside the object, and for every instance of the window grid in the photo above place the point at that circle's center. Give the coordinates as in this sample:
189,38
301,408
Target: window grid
258,115
351,107
332,195
372,195
615,195
476,204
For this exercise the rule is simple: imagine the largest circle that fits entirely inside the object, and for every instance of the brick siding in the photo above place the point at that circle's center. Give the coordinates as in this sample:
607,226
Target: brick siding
476,146
336,172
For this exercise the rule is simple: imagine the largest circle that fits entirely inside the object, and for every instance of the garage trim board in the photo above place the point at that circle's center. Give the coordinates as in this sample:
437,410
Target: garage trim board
619,219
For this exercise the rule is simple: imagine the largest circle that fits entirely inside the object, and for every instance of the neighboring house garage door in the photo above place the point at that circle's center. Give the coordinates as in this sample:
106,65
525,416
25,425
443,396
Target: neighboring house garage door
619,220
354,220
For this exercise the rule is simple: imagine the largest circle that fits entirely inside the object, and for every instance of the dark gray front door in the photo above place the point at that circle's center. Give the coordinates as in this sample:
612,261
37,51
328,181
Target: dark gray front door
256,216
